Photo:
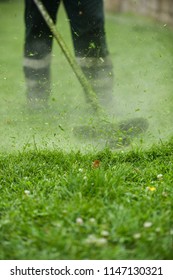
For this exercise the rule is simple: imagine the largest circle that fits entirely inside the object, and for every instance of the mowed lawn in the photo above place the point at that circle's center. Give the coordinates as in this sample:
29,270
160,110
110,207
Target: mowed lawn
61,198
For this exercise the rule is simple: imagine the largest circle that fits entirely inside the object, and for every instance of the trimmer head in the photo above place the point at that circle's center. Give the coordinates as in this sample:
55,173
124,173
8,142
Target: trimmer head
114,135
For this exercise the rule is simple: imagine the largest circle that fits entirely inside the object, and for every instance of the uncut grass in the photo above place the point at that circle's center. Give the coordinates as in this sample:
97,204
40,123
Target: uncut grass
126,210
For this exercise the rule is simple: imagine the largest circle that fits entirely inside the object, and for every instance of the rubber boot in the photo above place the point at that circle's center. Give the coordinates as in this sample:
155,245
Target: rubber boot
37,77
99,72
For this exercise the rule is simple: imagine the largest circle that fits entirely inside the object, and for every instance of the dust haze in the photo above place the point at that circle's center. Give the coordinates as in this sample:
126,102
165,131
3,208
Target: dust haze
142,88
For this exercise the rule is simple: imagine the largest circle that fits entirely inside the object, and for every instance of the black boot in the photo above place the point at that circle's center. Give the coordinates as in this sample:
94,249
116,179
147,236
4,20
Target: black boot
99,72
37,76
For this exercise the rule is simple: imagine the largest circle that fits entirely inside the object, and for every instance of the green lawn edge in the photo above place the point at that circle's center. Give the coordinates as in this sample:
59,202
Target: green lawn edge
57,205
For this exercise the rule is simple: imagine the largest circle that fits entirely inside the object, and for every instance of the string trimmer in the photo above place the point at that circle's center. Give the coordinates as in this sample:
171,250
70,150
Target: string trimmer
107,131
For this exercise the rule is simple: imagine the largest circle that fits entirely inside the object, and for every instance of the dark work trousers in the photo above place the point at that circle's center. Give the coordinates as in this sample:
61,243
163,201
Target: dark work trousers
86,18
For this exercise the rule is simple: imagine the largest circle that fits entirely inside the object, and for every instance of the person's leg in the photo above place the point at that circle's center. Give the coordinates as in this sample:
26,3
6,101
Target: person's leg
88,33
37,50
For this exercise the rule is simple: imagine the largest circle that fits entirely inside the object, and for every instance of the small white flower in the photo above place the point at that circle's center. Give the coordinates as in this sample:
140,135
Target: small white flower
164,194
104,233
57,224
137,235
80,169
79,221
147,224
101,241
92,220
159,176
92,239
27,192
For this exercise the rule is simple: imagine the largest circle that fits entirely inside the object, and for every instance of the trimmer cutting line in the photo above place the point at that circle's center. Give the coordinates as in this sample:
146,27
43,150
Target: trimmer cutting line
106,131
111,134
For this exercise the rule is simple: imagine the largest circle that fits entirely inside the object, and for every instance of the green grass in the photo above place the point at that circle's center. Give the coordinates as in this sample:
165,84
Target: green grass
126,209
47,177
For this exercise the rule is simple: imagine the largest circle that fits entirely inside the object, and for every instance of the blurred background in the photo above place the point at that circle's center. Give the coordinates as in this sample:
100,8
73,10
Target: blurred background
161,10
